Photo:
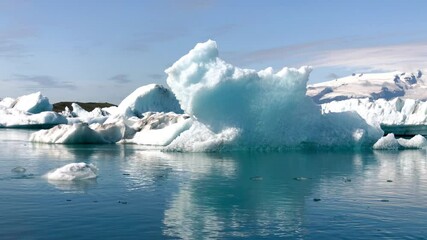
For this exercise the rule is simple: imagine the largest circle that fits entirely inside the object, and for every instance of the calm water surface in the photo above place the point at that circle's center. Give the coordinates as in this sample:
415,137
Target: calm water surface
151,195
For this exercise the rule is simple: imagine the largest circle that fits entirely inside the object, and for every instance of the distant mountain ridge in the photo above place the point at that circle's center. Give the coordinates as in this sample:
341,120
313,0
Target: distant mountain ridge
371,85
88,106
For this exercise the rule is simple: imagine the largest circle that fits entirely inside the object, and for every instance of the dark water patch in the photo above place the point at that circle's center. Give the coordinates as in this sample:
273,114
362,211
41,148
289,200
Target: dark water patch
18,170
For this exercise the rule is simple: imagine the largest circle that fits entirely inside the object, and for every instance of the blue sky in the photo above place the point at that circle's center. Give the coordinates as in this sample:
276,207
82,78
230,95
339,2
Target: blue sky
101,50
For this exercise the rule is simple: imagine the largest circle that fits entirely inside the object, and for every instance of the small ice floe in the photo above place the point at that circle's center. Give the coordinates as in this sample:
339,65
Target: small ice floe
300,178
346,179
256,178
18,170
73,172
389,142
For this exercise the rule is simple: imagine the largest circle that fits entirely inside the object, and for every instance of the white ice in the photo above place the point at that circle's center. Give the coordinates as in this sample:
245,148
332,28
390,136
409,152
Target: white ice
80,133
79,115
229,108
397,111
73,172
133,121
149,98
33,103
32,110
268,109
371,85
389,142
160,129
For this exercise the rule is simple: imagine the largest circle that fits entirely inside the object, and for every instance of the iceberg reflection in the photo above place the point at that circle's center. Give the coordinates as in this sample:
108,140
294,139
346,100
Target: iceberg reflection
229,203
81,186
260,196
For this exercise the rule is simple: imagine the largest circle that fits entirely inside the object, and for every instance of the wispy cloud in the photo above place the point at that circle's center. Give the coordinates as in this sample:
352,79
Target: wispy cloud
18,33
42,81
288,52
347,52
141,42
221,30
11,45
120,79
156,76
12,49
194,5
407,56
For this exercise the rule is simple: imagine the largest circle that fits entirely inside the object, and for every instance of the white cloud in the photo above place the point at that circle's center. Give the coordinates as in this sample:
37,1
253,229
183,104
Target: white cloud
406,57
40,81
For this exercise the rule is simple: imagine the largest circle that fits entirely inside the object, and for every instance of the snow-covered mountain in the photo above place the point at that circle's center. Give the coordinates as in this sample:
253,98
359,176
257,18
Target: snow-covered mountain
371,85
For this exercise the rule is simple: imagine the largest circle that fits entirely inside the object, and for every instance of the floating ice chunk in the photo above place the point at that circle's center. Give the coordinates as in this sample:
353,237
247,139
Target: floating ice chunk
113,110
19,170
111,133
149,98
415,142
29,111
33,103
161,136
389,142
201,139
7,102
73,172
14,118
73,134
79,115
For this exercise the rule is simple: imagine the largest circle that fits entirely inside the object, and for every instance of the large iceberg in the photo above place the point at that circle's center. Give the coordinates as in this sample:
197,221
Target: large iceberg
269,110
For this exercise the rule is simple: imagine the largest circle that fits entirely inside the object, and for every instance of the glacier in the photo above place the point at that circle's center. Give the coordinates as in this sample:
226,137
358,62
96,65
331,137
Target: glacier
397,111
404,114
374,86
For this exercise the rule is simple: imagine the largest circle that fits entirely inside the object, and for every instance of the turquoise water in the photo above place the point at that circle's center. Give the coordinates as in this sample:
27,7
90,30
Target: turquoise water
151,195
